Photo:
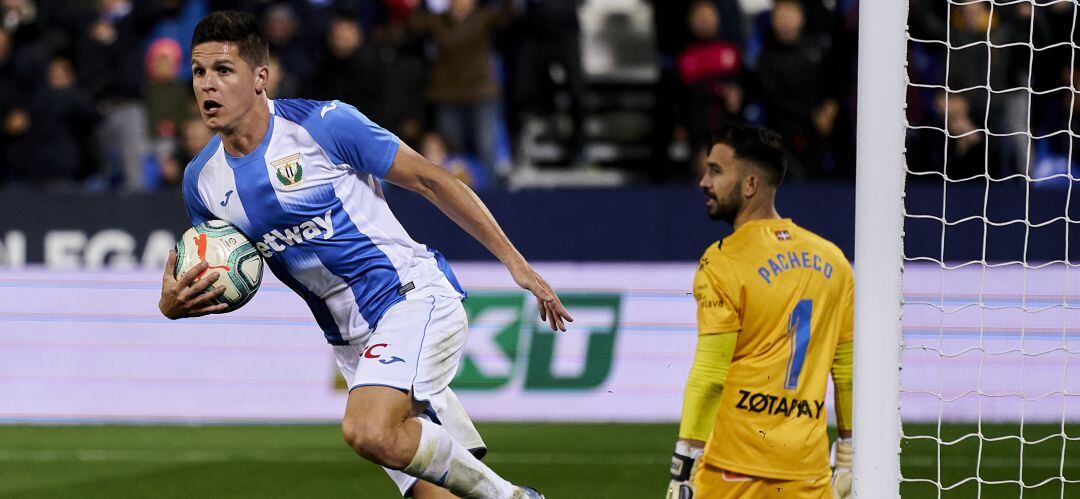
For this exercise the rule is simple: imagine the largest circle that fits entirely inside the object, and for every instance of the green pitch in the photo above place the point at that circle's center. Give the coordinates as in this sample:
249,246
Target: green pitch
1045,458
563,460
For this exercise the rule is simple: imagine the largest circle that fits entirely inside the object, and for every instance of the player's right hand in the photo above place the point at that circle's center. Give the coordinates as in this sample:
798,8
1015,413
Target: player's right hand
187,296
841,462
551,308
683,466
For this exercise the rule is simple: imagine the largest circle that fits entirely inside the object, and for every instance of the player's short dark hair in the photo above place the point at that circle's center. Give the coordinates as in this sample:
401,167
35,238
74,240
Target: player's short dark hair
231,26
760,146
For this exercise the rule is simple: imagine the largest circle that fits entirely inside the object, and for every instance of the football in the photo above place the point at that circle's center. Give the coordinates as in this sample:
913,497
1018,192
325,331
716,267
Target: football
227,251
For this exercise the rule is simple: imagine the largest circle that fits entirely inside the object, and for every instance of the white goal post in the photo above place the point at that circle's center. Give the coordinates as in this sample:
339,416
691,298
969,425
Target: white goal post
967,250
879,187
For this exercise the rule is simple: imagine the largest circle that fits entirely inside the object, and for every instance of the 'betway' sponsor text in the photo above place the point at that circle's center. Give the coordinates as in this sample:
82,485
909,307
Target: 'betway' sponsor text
278,240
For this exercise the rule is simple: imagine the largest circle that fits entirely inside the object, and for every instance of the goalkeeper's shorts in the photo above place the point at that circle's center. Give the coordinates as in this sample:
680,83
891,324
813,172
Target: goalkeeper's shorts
416,349
711,482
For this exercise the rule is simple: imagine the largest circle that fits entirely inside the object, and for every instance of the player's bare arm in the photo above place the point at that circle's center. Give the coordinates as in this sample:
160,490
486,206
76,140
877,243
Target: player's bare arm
414,172
187,296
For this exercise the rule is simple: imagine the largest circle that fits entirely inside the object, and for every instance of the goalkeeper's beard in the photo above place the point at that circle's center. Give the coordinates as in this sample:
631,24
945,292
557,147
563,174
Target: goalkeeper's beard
727,207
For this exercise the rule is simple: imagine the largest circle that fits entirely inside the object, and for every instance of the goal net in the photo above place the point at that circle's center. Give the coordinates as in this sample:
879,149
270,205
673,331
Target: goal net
989,357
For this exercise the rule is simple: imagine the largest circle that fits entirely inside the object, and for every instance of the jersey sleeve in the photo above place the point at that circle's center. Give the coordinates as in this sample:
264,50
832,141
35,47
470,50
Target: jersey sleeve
196,208
353,139
705,385
842,380
717,308
847,320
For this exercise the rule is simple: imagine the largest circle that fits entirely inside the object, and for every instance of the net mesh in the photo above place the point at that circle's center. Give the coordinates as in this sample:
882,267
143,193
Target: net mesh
991,314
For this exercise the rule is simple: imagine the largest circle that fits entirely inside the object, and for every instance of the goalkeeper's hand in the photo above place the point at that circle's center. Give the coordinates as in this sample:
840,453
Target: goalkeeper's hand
683,466
841,462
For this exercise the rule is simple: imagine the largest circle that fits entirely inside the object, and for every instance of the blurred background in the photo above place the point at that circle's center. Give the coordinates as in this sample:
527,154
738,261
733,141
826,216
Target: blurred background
582,124
95,94
507,94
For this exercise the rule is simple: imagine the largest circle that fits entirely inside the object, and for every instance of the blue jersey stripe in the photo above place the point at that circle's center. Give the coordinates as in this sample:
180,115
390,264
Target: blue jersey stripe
263,210
265,214
350,255
370,273
323,317
444,266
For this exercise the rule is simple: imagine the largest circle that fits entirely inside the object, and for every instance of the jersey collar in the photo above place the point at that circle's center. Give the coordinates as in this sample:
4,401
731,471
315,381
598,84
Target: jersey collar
258,153
748,227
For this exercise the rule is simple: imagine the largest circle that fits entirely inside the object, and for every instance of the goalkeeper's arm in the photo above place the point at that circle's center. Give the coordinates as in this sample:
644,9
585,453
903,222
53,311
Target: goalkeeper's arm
842,449
700,402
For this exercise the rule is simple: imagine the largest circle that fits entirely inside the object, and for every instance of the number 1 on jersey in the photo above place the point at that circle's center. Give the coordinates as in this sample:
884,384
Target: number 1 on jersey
799,336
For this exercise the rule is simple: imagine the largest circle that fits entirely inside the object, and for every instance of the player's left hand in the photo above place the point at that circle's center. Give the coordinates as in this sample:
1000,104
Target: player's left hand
551,308
841,462
684,464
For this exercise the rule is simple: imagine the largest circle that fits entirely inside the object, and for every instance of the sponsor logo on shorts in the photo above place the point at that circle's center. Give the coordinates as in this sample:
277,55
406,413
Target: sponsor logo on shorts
371,353
771,404
731,476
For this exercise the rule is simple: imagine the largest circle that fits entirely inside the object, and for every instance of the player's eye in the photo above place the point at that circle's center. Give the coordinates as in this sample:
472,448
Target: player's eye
224,71
198,71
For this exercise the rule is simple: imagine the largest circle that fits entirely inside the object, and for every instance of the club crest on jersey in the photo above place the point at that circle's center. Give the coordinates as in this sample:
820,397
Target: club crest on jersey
783,235
289,171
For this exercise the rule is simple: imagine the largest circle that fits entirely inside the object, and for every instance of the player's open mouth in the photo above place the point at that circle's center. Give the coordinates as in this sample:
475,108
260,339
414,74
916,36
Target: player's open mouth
211,107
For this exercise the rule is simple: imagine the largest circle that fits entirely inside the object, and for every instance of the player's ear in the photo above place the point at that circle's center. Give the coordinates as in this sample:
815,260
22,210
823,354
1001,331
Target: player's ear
262,78
751,184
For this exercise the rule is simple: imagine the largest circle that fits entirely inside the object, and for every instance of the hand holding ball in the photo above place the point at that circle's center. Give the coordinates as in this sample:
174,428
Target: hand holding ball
227,252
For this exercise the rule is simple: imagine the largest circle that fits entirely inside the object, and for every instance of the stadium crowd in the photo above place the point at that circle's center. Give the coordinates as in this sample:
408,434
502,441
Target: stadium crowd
1009,76
95,94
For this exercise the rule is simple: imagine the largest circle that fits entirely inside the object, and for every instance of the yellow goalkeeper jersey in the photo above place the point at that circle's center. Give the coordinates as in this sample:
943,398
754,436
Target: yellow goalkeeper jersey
789,293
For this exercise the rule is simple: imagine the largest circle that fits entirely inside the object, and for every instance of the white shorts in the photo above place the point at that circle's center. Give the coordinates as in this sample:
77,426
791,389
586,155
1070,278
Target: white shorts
417,347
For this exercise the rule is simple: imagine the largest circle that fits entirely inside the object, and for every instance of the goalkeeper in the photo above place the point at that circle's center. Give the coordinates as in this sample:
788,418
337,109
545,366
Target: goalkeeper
774,318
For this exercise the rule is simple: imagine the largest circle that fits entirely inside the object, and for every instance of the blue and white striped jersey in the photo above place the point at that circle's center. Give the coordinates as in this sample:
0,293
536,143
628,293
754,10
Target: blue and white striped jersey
308,197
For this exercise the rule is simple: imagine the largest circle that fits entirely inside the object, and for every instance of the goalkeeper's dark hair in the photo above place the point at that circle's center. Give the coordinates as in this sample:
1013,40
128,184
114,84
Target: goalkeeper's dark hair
760,146
240,28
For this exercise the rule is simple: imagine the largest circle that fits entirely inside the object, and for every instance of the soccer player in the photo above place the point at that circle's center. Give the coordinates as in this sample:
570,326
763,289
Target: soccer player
774,305
300,179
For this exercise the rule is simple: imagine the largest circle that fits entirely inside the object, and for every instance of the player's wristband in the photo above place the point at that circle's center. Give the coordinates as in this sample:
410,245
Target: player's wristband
680,467
683,460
